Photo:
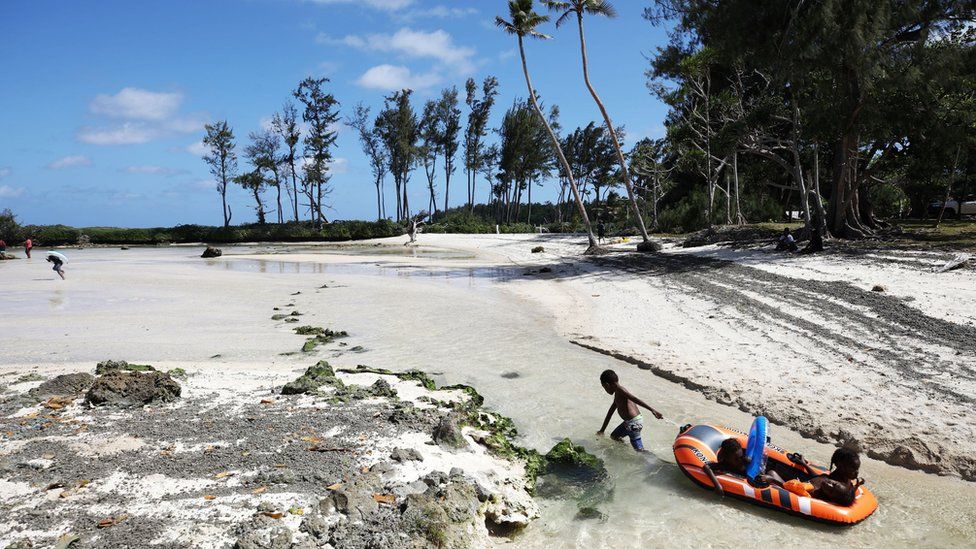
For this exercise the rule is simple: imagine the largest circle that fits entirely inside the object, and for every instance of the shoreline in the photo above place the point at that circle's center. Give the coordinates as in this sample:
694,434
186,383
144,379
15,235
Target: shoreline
911,394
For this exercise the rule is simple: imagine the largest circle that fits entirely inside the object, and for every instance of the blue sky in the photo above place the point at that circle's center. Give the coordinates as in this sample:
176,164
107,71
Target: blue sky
103,102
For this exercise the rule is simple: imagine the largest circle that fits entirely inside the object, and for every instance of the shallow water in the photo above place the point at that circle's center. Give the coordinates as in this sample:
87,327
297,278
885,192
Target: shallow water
461,323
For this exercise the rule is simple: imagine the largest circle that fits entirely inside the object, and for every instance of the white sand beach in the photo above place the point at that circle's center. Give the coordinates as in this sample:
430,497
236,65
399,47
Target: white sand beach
704,341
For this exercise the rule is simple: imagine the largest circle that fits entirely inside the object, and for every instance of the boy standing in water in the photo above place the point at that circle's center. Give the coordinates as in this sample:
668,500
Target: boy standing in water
626,405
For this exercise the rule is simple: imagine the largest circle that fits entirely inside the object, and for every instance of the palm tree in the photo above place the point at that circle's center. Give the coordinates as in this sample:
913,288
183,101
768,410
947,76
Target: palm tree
604,8
523,22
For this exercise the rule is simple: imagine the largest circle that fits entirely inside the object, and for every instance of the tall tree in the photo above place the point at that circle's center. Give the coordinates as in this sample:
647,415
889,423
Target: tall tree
523,21
605,9
450,116
222,160
264,156
321,114
254,182
285,124
375,151
480,110
397,127
430,130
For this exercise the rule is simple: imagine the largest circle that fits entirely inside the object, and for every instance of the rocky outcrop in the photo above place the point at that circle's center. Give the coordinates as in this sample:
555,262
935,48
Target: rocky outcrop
448,433
129,389
5,256
107,366
61,386
573,473
314,377
212,252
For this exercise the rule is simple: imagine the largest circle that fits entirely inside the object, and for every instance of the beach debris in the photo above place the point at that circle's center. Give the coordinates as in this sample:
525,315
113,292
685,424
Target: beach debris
111,521
538,249
314,377
209,497
295,510
62,385
511,375
405,454
384,498
127,389
448,433
67,540
6,256
650,246
211,252
259,490
58,402
22,543
957,262
879,288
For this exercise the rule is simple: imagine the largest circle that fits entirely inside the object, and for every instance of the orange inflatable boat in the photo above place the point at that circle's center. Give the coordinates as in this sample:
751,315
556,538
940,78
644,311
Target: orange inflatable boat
697,445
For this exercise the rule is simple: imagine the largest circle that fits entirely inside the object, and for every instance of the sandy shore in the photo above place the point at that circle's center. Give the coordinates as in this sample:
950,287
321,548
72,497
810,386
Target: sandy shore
801,339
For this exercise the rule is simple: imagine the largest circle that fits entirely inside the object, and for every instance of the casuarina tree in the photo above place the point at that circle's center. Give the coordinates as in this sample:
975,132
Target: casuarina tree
321,114
285,124
523,22
222,160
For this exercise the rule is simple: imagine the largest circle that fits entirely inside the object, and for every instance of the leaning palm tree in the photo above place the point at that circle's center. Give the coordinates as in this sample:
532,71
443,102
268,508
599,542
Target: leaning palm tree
604,8
522,22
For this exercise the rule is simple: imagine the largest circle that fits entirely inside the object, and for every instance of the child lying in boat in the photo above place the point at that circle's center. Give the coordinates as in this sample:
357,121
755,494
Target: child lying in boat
841,484
732,459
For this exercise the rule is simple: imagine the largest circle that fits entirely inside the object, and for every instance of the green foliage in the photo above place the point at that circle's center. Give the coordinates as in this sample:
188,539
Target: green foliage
107,366
889,201
567,454
55,235
10,230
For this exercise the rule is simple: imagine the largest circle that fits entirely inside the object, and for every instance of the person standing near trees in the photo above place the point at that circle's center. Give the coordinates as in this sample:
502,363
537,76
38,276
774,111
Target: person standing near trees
28,244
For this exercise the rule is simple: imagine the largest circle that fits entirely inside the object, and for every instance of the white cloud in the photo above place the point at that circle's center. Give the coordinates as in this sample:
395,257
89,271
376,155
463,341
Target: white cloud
339,165
126,134
137,104
439,12
4,171
6,191
385,5
70,162
437,45
154,170
391,78
197,149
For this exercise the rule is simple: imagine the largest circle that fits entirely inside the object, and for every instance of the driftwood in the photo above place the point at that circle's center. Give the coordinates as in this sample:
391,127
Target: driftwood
413,227
957,262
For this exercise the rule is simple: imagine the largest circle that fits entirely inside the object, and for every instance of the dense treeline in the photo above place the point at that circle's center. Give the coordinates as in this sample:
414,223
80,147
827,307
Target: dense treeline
846,111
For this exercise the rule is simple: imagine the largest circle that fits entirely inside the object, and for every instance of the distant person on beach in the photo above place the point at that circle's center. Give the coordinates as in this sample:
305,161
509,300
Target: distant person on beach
27,247
59,261
786,242
3,246
626,405
601,231
841,484
732,459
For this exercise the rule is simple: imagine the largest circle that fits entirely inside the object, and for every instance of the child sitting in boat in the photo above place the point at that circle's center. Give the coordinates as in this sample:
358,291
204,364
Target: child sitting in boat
841,484
732,460
626,405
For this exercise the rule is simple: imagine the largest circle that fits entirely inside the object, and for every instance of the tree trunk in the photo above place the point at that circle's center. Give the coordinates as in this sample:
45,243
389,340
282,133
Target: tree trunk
593,246
379,203
624,173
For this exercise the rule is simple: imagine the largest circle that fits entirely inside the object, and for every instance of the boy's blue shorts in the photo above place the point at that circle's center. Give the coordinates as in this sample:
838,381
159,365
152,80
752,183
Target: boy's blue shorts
631,429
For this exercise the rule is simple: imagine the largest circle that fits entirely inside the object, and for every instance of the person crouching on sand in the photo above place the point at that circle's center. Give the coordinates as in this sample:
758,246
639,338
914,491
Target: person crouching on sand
626,405
58,264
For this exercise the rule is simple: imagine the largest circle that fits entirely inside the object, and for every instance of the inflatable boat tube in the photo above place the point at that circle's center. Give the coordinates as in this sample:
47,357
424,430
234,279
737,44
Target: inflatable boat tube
755,447
698,445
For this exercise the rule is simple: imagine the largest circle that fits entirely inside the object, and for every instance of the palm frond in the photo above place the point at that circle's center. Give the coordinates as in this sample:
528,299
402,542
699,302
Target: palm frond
504,25
562,18
600,7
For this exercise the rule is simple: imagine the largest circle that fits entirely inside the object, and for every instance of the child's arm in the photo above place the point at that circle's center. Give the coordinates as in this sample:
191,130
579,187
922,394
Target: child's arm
606,420
715,482
640,402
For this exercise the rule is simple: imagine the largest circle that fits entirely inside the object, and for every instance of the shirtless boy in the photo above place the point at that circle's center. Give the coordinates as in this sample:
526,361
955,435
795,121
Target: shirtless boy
626,405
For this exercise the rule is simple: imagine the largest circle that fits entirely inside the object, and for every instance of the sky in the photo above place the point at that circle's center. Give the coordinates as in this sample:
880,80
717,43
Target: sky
103,103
